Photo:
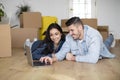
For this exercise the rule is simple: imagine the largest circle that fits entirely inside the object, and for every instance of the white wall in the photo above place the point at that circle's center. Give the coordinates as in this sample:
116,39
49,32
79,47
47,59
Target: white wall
10,9
108,13
58,8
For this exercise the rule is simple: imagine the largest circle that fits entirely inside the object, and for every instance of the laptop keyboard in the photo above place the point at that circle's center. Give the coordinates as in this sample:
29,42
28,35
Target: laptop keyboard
39,63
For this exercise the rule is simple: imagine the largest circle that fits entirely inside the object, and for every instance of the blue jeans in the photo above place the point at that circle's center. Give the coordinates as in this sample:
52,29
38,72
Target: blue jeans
108,41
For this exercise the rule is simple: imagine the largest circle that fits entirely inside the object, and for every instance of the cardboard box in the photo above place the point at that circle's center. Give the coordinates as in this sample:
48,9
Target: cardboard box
5,41
19,35
91,22
117,43
31,20
65,29
63,21
104,31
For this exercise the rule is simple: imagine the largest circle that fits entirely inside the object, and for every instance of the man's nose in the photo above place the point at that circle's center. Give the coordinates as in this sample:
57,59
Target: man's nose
70,33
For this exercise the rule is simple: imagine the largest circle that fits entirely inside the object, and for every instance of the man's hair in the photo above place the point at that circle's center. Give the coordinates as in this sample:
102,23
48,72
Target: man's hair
74,20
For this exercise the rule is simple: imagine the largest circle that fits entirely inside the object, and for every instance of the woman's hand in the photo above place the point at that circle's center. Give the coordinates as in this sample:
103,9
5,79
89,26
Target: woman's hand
70,57
46,59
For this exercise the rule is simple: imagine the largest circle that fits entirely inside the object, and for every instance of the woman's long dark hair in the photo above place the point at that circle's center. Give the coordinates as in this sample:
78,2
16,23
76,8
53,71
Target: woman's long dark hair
47,40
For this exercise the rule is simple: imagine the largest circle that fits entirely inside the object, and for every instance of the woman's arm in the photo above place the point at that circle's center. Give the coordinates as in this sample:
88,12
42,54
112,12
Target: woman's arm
48,59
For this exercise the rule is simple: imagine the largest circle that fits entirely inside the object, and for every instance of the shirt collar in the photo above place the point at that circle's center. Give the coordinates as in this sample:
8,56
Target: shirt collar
85,32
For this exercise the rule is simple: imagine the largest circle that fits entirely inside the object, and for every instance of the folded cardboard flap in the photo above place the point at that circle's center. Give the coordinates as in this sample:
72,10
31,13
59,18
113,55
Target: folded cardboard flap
102,28
19,35
5,41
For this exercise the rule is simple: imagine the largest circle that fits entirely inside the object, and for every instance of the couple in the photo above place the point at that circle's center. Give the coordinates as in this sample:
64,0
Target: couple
82,44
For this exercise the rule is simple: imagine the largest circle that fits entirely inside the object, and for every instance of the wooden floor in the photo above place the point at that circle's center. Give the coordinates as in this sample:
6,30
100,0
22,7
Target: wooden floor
16,68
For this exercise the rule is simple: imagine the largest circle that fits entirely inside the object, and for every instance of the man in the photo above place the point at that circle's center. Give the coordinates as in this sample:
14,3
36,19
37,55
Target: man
83,44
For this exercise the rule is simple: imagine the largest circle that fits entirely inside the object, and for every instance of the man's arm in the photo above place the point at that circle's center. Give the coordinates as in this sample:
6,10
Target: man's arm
93,52
60,55
70,57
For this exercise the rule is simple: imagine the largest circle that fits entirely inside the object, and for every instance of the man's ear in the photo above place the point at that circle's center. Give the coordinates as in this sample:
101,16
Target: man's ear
80,27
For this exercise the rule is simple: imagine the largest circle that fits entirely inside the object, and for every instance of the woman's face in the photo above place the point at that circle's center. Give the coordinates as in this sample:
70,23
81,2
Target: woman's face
55,35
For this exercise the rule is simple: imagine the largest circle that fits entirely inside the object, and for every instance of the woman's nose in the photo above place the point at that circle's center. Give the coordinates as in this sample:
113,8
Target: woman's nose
54,37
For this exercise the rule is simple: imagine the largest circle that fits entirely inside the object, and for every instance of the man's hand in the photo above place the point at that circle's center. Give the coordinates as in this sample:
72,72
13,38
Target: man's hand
46,59
70,57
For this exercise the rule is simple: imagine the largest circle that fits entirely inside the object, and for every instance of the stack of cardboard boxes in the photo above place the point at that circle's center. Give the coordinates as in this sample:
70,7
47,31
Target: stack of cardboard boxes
5,41
30,25
91,22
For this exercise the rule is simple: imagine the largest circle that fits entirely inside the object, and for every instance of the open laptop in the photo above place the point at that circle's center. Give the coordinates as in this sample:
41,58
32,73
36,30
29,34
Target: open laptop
30,59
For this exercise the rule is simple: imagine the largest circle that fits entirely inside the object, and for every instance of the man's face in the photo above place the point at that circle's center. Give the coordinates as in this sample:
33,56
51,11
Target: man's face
75,31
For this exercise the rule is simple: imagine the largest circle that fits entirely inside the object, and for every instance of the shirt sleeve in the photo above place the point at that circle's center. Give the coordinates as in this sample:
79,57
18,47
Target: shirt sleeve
50,55
60,55
93,52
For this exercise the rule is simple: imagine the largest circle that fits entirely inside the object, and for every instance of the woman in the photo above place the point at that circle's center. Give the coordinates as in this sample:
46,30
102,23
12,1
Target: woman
54,39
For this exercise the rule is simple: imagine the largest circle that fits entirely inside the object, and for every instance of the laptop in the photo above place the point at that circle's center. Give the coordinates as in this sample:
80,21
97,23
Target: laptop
30,59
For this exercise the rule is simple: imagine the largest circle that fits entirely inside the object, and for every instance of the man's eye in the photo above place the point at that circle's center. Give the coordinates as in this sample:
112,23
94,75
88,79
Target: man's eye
72,30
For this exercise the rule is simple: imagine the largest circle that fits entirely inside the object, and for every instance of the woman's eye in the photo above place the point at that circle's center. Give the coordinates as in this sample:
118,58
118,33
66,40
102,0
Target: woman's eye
51,35
56,33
